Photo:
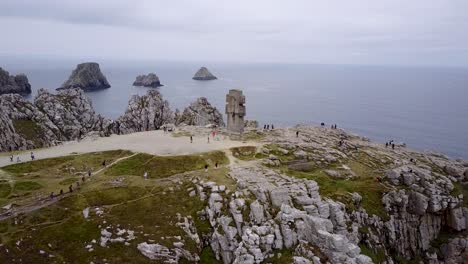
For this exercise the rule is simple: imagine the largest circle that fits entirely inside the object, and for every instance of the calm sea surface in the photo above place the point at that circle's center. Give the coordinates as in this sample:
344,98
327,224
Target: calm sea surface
427,108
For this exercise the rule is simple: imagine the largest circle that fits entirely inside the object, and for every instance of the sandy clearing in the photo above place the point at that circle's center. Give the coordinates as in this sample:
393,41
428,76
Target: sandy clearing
151,142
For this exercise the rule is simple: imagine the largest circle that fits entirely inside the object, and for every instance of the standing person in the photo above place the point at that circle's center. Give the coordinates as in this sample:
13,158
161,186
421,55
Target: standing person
297,134
264,127
272,127
51,195
70,188
268,127
206,167
208,139
61,191
18,159
89,173
104,163
11,158
216,165
32,155
393,146
145,175
191,139
386,144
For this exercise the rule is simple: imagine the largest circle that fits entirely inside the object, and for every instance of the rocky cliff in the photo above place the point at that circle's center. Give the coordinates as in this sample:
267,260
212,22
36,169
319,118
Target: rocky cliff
18,84
200,113
203,74
150,80
48,120
148,112
69,115
87,76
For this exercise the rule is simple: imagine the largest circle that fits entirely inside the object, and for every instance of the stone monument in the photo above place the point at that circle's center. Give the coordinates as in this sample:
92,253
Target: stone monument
235,111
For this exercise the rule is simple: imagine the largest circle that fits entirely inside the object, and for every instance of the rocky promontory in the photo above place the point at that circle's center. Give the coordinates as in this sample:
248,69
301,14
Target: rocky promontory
150,80
18,84
200,113
88,77
203,74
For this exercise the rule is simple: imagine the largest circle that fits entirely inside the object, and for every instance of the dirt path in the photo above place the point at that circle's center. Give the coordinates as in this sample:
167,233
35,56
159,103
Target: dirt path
46,201
151,142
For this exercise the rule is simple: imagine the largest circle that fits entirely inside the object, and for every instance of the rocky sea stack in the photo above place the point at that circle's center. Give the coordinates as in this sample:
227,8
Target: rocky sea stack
88,77
14,84
200,113
150,80
203,74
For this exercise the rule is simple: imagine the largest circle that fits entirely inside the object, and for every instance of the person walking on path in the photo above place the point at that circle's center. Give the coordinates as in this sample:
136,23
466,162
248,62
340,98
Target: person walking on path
104,163
89,173
216,165
51,195
32,155
297,134
208,139
11,158
18,159
206,167
145,175
191,139
70,188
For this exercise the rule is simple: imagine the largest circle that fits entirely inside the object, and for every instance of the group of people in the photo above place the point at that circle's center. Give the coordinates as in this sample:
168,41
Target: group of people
332,126
267,127
212,134
390,143
70,187
18,159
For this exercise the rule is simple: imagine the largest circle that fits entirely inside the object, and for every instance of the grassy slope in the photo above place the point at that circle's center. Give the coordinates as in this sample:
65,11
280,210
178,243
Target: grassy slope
145,206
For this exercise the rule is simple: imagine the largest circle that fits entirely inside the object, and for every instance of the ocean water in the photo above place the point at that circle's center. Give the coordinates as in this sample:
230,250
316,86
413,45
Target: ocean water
427,108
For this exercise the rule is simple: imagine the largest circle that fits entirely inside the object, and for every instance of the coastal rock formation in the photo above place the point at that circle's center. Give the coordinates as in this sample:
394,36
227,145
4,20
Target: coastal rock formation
235,111
203,74
144,113
50,119
88,77
200,113
18,84
150,80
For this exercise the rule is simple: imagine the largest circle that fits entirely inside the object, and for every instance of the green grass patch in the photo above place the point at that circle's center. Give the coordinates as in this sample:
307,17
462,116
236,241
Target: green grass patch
165,166
460,189
30,130
208,257
246,153
5,189
27,186
253,135
377,256
68,181
281,257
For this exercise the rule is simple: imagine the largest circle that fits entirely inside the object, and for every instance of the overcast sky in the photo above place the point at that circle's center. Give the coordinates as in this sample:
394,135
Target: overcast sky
422,32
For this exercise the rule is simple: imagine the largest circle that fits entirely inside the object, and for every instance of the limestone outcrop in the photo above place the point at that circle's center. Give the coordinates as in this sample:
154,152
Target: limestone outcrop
150,80
49,120
144,113
18,84
88,77
203,74
69,115
200,113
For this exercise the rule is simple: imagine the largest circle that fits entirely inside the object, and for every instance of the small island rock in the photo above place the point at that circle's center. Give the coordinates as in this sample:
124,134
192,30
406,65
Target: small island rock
88,77
18,84
204,75
150,80
200,113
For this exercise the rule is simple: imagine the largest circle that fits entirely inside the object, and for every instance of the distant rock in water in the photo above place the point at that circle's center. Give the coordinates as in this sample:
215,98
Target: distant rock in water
204,75
150,80
88,77
18,84
200,113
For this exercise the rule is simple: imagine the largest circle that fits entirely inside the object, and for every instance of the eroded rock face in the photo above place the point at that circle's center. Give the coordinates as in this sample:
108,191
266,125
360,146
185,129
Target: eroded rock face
47,121
150,80
69,115
144,113
203,74
18,84
200,113
88,77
